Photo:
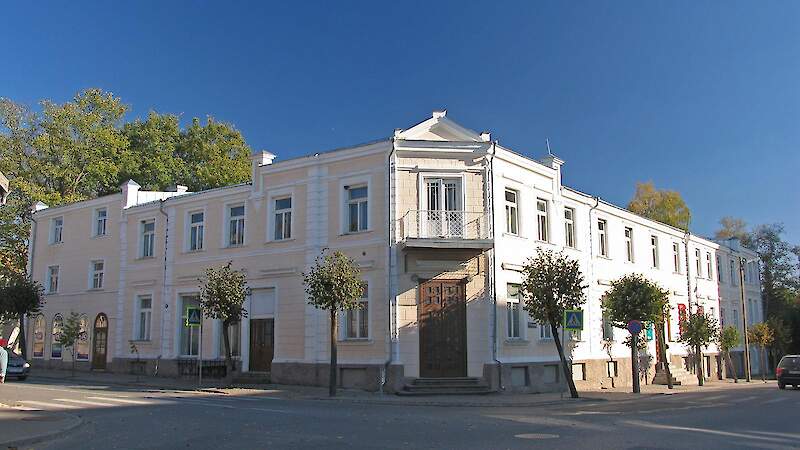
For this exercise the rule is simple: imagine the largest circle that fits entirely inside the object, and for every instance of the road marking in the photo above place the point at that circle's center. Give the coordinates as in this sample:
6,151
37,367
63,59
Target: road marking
50,405
643,424
536,436
122,400
775,400
82,402
25,408
745,399
222,405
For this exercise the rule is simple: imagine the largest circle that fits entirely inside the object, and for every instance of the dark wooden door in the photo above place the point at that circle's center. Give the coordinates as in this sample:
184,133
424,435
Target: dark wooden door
100,342
443,329
262,341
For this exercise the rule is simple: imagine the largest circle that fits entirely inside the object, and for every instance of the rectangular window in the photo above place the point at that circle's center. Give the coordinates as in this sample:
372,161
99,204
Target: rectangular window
512,212
608,329
698,263
57,230
545,332
709,268
681,317
722,317
196,228
283,219
735,318
514,311
100,220
357,319
144,317
52,279
654,251
236,226
98,270
148,238
629,243
719,269
734,275
357,209
602,237
541,219
676,257
569,227
190,336
234,340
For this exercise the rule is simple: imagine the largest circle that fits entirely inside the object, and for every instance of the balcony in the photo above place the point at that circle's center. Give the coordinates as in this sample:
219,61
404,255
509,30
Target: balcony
445,229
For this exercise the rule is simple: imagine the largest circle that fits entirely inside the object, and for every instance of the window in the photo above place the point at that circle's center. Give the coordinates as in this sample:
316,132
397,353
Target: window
602,237
514,315
234,340
196,226
541,219
38,336
357,210
654,250
52,279
676,256
283,218
357,320
735,318
709,268
236,226
545,332
608,329
681,317
722,317
98,269
100,220
698,263
82,347
148,228
719,269
55,346
569,227
734,276
629,243
512,212
190,336
56,230
144,317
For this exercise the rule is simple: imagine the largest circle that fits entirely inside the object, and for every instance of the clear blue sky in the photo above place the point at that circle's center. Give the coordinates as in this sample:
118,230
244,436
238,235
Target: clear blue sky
700,98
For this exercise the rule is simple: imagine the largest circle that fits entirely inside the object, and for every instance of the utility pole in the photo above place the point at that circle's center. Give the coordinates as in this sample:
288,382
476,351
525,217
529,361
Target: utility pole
742,262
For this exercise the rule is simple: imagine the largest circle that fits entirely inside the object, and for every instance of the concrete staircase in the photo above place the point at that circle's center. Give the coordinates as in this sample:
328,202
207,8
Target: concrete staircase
680,377
446,386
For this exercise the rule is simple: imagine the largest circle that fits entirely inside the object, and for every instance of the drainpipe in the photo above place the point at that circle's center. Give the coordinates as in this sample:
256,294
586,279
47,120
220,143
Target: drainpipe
493,269
391,168
164,283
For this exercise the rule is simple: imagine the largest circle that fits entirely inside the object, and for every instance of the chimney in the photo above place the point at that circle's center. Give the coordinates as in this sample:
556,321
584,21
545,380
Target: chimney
130,193
38,206
181,189
554,162
486,136
258,159
439,114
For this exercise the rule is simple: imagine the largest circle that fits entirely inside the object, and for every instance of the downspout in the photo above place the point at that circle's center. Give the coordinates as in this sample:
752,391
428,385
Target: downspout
164,283
493,271
688,276
391,167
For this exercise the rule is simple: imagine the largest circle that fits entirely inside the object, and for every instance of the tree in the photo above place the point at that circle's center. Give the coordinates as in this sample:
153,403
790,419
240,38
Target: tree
732,227
660,205
19,297
222,297
333,284
634,297
729,338
699,331
154,144
761,335
551,284
70,335
215,154
779,282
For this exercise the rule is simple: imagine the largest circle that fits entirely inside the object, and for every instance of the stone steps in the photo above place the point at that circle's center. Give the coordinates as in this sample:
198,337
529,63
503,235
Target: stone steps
446,386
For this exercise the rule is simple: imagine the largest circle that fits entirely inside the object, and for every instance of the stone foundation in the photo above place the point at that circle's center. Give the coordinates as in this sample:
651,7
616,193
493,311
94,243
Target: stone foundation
368,377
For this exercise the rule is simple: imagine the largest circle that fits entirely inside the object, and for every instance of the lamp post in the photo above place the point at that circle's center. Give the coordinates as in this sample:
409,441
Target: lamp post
742,262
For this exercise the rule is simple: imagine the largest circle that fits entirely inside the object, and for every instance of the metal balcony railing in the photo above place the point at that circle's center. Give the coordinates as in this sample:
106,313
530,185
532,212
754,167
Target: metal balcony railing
419,224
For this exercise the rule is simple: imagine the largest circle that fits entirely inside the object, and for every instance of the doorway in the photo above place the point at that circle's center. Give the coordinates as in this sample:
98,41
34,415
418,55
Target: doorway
443,329
100,342
262,341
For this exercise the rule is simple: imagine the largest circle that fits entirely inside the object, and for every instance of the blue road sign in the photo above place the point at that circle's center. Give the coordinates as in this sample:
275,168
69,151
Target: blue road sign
573,319
193,317
635,327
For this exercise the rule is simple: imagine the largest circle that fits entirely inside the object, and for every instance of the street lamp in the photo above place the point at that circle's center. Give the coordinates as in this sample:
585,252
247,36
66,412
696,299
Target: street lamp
742,262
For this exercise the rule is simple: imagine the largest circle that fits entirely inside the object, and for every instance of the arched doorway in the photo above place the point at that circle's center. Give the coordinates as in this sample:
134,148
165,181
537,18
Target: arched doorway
100,342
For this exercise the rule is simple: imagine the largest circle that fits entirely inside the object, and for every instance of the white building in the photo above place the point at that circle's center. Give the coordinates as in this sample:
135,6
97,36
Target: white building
440,220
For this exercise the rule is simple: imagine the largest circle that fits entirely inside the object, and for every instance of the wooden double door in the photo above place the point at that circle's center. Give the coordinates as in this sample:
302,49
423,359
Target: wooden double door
443,329
100,342
262,344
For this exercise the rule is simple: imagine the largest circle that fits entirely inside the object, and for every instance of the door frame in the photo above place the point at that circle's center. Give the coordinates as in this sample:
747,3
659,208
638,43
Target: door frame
99,363
463,283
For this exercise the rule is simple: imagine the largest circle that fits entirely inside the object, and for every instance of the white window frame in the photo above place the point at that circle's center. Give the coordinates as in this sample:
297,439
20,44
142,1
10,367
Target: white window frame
138,334
628,234
654,251
362,317
569,227
357,202
188,230
545,333
57,230
698,262
602,238
182,296
709,267
284,213
514,313
734,275
542,220
143,238
52,288
86,332
512,212
345,184
676,257
97,277
720,277
97,221
228,228
54,334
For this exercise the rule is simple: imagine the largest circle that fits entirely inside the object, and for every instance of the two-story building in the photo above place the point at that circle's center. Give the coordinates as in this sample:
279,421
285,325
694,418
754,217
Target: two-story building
439,218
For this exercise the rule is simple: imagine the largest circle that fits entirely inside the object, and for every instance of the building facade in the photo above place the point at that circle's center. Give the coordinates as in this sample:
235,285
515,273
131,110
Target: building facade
440,220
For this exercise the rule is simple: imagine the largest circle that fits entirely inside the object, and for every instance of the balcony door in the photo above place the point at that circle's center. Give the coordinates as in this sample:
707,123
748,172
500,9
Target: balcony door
444,216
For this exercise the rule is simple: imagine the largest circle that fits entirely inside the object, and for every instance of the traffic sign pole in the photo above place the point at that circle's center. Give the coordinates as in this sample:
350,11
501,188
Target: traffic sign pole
200,359
635,327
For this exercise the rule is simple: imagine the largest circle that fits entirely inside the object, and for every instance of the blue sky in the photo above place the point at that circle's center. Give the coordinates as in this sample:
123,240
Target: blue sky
700,97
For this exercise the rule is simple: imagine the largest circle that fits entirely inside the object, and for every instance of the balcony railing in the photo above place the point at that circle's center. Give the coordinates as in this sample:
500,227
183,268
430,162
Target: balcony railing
418,224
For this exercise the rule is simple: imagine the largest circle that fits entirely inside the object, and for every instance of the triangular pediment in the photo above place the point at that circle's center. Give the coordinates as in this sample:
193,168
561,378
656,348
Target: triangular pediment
439,128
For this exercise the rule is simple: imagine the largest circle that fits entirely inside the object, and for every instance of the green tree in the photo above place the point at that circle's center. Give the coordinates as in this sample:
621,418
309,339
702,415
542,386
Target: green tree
634,297
215,154
333,284
761,335
699,331
732,227
222,297
19,297
154,147
664,206
779,282
551,284
729,337
70,335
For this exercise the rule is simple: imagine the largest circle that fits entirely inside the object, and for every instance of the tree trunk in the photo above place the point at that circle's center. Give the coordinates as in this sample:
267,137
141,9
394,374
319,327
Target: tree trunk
698,364
332,377
573,392
23,343
227,343
635,363
730,365
763,362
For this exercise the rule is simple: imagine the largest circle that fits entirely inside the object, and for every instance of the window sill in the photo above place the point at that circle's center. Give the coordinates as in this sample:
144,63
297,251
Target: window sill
145,258
356,341
512,235
517,341
604,257
191,252
279,241
351,233
101,236
95,290
233,247
140,341
56,244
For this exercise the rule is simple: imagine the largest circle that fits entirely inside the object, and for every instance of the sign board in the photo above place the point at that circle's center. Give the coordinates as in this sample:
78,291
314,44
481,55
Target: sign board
573,319
650,331
193,317
635,327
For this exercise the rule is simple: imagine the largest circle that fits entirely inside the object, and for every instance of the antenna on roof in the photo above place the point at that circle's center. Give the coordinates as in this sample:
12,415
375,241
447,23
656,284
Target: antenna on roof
547,141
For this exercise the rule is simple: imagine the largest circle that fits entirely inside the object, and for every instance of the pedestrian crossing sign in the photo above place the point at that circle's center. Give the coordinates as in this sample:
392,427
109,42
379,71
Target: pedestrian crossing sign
193,317
573,319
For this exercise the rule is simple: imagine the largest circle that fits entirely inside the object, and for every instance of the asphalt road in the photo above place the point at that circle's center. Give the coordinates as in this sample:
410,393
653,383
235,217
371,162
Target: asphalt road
760,416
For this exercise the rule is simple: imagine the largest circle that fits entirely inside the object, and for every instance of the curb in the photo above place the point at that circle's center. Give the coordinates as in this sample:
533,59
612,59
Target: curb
462,404
76,422
130,384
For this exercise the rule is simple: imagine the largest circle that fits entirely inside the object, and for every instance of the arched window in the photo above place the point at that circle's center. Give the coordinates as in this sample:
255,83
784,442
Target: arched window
38,336
55,346
82,349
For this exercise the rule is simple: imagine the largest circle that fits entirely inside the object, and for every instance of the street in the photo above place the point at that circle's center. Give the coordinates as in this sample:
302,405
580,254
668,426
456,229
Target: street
756,416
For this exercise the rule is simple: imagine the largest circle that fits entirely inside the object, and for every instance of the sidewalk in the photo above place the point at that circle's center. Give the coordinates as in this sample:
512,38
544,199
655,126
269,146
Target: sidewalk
24,428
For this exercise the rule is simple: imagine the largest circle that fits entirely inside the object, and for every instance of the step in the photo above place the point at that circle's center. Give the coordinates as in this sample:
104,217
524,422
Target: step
445,381
465,387
445,392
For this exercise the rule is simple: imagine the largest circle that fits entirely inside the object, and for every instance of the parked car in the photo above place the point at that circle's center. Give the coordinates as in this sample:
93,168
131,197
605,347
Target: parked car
788,371
17,367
